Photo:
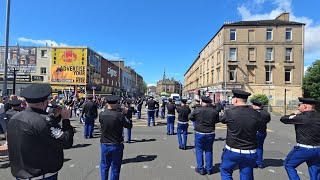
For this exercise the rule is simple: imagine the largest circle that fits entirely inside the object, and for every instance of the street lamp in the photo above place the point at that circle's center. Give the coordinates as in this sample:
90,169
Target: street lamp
5,82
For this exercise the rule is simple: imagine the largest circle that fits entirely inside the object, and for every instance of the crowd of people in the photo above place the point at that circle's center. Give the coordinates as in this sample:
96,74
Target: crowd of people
38,125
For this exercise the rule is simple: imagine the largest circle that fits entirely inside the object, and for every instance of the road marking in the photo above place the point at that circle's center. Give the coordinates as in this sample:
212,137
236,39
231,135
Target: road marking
97,166
271,170
272,142
269,130
164,138
121,166
192,167
145,167
289,143
169,167
135,138
72,165
299,172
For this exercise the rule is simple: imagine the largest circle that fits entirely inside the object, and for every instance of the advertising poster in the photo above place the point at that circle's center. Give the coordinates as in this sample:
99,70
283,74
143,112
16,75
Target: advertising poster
68,66
20,57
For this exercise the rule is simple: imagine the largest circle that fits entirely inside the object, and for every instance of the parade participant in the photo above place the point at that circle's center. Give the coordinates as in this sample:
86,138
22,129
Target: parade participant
171,108
196,105
15,108
35,139
89,113
261,136
2,120
183,124
139,107
112,124
206,118
128,115
243,122
307,127
157,108
151,104
163,108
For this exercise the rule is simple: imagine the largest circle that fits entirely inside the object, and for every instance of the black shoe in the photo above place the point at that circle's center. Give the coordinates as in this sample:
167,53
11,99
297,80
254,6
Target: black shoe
180,147
209,172
200,172
260,166
184,148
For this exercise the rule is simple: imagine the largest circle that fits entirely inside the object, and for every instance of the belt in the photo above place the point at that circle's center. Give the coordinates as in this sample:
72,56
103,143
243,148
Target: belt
240,150
40,177
307,146
170,115
183,122
150,110
204,133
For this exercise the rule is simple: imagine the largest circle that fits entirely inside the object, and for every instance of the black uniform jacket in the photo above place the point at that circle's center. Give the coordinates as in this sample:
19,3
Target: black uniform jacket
9,114
171,107
206,117
112,124
243,123
36,143
307,127
183,112
139,104
265,119
90,110
151,104
196,106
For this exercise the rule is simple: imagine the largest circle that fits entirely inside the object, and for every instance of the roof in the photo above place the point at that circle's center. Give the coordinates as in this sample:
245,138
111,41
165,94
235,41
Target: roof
264,23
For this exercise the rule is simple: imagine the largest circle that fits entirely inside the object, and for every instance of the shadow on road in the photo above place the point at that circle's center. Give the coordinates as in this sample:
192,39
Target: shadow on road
273,162
79,146
140,158
216,168
66,159
220,139
161,124
142,140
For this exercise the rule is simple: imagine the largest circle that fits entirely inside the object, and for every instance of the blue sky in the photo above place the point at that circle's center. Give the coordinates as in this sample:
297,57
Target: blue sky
149,34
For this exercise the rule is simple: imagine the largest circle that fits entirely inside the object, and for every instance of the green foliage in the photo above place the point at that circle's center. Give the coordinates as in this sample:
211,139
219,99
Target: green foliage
311,81
145,87
261,98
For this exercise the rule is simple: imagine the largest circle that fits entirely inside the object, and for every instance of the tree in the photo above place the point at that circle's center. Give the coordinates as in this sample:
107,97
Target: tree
145,87
261,98
311,81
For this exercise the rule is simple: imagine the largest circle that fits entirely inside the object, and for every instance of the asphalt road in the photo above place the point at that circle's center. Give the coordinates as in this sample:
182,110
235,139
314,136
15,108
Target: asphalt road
155,156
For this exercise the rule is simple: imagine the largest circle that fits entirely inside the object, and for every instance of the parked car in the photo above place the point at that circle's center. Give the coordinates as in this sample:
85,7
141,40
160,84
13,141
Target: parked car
177,101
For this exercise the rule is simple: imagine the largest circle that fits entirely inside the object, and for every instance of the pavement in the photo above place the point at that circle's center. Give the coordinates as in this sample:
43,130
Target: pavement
153,155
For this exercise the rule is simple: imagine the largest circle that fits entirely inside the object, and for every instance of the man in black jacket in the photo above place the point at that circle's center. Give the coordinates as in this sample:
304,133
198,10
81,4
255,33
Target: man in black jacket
261,136
151,105
112,123
139,107
171,107
89,113
35,139
183,124
307,127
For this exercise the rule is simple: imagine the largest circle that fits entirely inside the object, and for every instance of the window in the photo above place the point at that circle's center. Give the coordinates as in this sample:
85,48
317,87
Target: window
212,61
287,75
233,54
107,81
288,34
268,75
200,69
212,72
207,78
218,75
43,53
269,34
232,34
288,54
251,36
43,70
269,54
208,64
251,54
232,74
219,58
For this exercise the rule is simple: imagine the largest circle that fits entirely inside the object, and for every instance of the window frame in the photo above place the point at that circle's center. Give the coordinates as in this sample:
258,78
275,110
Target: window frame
235,34
254,50
291,55
44,55
268,30
234,75
285,71
270,75
235,55
272,54
288,30
41,68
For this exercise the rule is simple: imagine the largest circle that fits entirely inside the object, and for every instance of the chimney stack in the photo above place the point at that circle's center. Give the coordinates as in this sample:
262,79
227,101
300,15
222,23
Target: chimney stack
283,16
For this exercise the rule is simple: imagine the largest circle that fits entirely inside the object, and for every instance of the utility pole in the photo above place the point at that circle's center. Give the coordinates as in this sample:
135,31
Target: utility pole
5,81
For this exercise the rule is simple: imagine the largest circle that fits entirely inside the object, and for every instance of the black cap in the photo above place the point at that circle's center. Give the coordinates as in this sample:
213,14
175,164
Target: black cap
307,101
89,97
170,99
15,102
128,100
36,93
240,94
112,99
206,99
256,102
184,100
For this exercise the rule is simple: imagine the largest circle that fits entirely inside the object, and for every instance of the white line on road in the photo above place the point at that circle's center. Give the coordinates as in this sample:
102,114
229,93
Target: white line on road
192,167
145,167
164,138
289,143
72,165
97,166
272,142
135,138
169,167
299,172
271,170
121,166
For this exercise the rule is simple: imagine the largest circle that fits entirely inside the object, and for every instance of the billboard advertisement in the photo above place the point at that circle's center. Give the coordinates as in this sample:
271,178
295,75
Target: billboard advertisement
68,66
22,58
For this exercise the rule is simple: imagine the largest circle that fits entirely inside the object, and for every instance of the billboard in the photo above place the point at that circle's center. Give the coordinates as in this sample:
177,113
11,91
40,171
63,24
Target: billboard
22,58
69,66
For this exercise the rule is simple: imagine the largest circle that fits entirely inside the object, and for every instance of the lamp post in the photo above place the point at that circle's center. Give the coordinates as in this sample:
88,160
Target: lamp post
5,82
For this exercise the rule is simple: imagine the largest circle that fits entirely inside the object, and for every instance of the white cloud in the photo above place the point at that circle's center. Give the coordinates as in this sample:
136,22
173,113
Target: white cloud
112,57
41,42
312,30
151,85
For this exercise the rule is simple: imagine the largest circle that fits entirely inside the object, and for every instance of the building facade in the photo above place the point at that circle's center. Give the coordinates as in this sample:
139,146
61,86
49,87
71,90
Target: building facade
109,76
261,57
168,85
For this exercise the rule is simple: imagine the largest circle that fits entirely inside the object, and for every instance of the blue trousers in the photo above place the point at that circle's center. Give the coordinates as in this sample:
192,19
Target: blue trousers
230,159
111,155
139,114
299,155
163,113
194,124
204,144
128,135
54,177
260,141
182,129
151,117
88,127
157,113
170,124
